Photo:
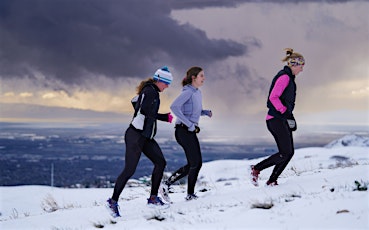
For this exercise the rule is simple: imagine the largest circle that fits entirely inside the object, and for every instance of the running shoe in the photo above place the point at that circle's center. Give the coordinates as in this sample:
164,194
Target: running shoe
155,201
254,176
113,207
271,183
164,192
191,197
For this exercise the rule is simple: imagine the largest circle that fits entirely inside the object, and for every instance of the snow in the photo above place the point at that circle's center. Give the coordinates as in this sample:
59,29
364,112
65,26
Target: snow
316,191
350,140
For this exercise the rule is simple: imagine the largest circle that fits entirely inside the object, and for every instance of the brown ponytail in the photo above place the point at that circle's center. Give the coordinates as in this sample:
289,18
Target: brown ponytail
193,71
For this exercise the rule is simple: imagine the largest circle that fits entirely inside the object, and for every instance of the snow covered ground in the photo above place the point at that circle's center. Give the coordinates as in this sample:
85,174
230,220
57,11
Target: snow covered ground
316,191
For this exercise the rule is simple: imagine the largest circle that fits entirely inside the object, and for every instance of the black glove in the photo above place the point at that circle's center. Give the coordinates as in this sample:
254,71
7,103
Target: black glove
291,122
197,129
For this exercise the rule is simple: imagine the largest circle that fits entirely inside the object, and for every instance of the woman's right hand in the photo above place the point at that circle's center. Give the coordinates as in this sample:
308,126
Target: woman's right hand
194,128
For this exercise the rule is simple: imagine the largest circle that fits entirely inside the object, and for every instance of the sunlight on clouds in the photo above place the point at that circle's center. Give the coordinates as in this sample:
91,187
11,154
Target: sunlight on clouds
58,95
361,92
48,96
351,89
108,95
107,99
97,100
26,94
100,101
9,94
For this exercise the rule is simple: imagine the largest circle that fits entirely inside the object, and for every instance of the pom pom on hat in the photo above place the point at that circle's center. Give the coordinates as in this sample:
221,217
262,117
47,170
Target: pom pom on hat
163,75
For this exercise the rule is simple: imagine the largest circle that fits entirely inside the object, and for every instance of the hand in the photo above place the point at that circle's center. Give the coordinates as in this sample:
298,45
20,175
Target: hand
194,128
170,117
292,122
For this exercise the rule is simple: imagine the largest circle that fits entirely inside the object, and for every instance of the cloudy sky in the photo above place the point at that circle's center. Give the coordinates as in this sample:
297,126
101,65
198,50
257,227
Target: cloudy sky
73,60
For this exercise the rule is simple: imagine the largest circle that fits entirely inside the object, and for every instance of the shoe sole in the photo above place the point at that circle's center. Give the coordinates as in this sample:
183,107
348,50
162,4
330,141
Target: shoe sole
164,194
255,183
191,198
154,206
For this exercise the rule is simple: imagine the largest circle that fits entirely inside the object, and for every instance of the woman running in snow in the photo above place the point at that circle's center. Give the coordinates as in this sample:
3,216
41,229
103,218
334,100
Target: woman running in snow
139,137
280,120
187,108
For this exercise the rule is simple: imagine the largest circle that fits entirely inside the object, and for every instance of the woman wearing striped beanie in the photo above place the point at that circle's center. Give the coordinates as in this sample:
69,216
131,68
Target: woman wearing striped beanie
139,138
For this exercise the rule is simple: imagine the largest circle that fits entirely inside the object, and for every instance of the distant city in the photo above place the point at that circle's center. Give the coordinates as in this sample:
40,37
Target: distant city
94,156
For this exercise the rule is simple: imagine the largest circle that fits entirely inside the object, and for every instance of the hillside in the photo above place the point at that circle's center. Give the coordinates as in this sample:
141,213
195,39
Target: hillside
316,191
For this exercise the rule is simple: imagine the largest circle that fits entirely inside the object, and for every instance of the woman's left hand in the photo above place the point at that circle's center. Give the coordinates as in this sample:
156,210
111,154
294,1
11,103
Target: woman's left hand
209,113
170,117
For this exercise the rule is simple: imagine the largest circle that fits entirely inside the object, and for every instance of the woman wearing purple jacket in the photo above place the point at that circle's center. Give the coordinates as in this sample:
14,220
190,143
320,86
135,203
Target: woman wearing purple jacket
187,107
280,120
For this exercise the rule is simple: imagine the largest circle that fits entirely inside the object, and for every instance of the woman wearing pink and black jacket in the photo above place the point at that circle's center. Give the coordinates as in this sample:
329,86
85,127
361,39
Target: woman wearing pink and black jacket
280,120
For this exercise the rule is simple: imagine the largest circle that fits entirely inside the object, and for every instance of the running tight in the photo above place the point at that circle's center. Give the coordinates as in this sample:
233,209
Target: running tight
135,144
283,137
191,146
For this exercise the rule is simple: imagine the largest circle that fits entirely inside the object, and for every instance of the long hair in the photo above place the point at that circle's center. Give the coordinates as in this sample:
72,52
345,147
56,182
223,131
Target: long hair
193,71
143,83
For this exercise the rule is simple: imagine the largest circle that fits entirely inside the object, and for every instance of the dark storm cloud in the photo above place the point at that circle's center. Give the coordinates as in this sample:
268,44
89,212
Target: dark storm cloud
68,39
191,4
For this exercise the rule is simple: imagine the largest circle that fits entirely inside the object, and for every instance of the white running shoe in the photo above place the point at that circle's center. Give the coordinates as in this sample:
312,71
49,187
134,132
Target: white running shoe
164,192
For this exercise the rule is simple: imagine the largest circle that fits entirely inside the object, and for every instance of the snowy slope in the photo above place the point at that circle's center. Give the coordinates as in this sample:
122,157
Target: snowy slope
350,140
316,191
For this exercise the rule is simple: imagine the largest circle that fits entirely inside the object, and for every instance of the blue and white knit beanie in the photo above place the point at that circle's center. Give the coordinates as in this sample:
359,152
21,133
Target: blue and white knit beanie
163,75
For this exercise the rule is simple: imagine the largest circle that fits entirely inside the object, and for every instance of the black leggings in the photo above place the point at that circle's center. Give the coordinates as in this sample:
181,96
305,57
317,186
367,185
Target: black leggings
283,137
191,146
135,144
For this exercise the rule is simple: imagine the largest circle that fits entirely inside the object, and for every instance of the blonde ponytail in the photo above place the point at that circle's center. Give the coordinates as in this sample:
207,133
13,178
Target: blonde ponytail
295,58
